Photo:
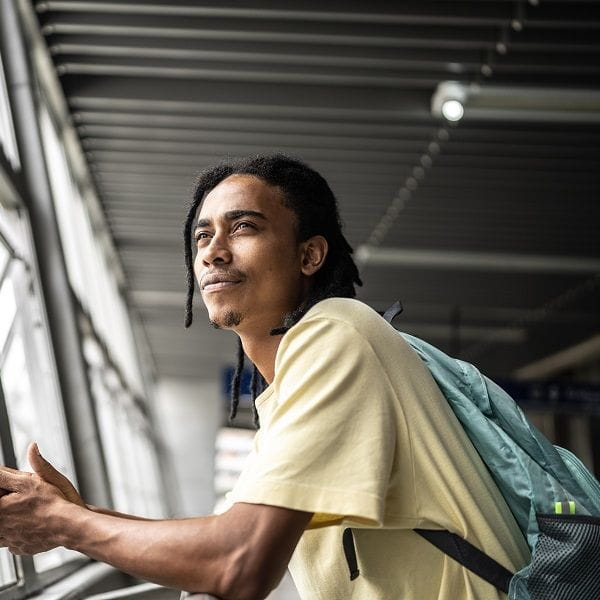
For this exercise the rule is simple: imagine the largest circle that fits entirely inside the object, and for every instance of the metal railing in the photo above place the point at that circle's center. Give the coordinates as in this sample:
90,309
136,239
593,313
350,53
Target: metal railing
148,591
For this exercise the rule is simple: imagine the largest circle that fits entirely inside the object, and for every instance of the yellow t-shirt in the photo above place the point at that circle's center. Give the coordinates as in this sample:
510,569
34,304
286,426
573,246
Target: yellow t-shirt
355,430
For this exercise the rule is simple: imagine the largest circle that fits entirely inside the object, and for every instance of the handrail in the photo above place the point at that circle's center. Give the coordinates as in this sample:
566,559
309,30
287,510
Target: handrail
148,591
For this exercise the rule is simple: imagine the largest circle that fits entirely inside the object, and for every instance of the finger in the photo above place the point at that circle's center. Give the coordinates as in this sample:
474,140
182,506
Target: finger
7,500
11,480
10,470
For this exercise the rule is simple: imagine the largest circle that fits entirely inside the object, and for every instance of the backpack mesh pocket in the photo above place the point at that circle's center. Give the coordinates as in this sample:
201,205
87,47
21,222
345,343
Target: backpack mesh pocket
566,560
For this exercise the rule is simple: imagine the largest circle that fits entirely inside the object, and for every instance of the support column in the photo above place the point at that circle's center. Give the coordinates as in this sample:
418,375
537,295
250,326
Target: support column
189,413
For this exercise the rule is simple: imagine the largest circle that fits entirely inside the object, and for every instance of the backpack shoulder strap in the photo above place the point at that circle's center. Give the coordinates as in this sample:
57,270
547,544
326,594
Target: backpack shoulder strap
469,556
350,553
451,544
393,311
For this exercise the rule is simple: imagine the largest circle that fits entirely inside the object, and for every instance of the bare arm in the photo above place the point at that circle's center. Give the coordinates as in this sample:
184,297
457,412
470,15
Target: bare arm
240,554
114,513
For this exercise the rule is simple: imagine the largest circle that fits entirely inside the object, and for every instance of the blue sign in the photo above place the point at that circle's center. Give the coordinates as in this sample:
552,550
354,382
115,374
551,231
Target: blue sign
554,395
245,386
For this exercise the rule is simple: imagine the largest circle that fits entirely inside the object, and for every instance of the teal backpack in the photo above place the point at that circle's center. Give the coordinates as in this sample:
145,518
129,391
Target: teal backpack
554,498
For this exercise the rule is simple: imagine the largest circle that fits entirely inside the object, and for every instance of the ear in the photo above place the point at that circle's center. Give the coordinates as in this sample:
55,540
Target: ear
314,251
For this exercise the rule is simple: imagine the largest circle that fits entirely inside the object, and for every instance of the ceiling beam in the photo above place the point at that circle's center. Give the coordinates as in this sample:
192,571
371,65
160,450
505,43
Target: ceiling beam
440,62
239,74
580,354
478,261
135,98
396,37
414,13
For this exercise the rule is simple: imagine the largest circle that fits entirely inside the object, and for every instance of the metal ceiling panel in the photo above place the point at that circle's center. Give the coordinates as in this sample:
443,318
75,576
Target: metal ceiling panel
159,90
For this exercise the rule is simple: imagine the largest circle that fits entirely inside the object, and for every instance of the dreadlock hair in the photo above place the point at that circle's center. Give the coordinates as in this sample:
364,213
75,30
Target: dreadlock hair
306,193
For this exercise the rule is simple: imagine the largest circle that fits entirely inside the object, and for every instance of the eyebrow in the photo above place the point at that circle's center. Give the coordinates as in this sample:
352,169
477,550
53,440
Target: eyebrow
232,215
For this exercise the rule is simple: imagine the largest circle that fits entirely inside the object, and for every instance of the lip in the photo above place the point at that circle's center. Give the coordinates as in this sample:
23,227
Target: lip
217,282
218,286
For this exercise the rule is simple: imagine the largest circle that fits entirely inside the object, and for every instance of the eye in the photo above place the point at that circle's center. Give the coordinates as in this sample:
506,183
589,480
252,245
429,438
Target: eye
242,225
201,235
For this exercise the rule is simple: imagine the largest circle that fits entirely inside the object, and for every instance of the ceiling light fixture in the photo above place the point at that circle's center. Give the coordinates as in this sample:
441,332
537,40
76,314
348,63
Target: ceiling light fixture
453,101
453,110
448,100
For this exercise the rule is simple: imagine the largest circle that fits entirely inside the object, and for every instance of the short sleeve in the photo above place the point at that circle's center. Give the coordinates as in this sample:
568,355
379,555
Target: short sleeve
327,437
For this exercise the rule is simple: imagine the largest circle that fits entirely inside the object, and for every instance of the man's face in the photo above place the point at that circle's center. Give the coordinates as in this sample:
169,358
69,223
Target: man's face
248,264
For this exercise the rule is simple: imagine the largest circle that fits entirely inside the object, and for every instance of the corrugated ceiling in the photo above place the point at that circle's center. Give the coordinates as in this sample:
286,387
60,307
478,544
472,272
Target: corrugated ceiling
486,220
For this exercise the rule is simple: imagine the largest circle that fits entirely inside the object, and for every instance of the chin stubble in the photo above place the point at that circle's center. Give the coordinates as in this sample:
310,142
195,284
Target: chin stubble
230,319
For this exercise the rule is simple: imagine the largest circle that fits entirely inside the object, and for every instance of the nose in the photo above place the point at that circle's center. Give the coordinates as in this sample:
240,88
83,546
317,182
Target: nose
217,251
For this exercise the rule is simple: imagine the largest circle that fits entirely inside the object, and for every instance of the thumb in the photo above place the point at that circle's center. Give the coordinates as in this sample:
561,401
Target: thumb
41,466
48,473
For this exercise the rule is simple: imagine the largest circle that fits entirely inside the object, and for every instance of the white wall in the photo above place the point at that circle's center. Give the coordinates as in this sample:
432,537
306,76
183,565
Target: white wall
188,414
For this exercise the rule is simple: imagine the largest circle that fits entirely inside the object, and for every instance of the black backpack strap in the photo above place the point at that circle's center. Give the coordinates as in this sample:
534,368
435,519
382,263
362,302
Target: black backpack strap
393,311
350,553
451,544
469,557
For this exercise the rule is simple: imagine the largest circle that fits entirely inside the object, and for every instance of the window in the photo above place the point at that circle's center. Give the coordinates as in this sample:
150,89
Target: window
93,280
30,399
30,393
126,438
7,133
8,307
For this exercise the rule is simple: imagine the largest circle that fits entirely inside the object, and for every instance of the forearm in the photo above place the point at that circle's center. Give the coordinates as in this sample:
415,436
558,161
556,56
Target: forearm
114,513
183,554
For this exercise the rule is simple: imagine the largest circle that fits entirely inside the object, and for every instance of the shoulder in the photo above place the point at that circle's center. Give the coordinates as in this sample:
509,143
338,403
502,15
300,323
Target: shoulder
342,309
337,347
348,313
337,324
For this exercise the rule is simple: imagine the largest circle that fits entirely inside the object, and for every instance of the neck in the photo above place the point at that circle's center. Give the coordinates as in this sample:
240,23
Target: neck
260,346
262,350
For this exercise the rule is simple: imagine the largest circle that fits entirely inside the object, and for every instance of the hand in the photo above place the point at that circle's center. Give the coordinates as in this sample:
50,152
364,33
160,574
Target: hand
29,508
48,473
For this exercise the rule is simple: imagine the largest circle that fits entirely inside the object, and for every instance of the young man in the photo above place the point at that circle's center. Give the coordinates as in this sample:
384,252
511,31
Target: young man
353,430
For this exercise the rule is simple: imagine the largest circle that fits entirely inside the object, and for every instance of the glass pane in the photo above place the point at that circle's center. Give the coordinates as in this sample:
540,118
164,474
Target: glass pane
111,446
131,458
28,372
4,257
8,308
8,575
7,134
25,425
19,398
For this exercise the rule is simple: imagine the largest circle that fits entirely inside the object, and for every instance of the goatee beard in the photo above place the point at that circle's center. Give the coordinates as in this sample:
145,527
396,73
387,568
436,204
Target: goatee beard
229,320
